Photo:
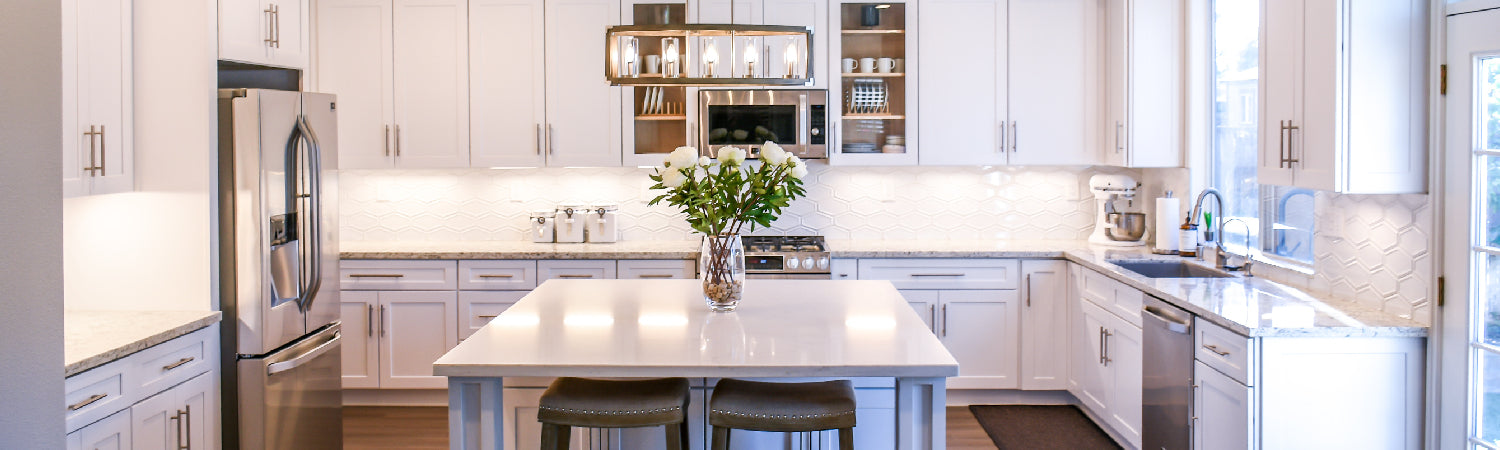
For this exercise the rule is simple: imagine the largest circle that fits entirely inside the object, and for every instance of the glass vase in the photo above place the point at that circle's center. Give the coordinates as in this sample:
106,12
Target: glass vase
722,269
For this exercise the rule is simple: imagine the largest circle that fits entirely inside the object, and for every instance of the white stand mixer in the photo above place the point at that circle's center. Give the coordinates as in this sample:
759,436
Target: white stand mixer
1112,227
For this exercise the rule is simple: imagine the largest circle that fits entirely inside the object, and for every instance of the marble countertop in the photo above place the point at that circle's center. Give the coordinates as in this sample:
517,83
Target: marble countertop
93,338
650,328
1250,306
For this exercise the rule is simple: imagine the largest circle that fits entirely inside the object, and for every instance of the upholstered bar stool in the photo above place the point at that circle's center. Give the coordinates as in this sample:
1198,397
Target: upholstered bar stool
583,402
784,407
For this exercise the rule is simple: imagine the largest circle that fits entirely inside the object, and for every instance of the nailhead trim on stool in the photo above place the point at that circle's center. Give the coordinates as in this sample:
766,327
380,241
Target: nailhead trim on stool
581,402
754,405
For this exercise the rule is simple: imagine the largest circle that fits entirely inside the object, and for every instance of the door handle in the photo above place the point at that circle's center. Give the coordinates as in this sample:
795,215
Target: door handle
86,402
283,366
945,320
185,428
376,275
1101,345
382,320
656,275
1107,359
270,24
177,364
93,167
575,276
1281,144
496,275
370,320
1015,136
177,425
387,142
398,140
1028,290
1001,148
932,314
1215,349
937,275
539,139
1118,128
103,152
550,140
1291,153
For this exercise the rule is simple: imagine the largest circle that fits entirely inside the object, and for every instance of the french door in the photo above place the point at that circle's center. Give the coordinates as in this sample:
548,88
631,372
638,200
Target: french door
1469,413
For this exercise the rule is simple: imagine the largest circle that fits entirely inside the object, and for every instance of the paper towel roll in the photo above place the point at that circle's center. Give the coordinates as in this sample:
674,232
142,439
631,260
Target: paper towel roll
1168,209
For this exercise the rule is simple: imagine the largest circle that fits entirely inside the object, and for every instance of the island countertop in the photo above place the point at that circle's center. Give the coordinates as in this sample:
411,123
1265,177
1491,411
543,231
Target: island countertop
650,328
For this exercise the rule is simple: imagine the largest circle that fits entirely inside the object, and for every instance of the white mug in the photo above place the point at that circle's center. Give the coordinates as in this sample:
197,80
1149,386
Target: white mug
867,65
653,62
900,65
886,65
849,65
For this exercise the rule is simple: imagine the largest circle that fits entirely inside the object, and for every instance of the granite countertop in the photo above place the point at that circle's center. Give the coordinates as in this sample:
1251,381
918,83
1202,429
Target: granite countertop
92,338
1249,306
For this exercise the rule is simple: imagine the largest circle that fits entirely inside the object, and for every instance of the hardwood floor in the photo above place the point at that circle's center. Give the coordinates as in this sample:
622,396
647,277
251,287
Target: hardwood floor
371,427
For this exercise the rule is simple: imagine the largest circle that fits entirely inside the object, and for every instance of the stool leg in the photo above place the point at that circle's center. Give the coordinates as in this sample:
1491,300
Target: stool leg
685,435
846,439
555,437
675,437
721,438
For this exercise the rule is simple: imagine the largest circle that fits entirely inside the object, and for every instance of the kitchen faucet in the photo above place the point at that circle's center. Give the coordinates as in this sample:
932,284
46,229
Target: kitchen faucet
1218,233
1248,253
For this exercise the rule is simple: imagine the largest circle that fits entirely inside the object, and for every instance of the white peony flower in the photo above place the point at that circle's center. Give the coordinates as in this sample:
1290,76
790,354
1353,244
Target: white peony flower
673,178
731,156
704,161
682,157
773,154
799,168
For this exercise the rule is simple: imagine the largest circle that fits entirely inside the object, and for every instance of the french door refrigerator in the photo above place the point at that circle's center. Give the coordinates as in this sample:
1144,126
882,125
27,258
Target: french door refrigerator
278,263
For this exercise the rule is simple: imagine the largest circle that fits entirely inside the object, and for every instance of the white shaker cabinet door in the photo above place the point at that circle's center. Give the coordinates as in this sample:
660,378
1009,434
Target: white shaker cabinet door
418,327
177,418
1125,363
245,32
1222,407
1044,325
431,84
289,34
110,433
981,328
360,353
1095,382
355,63
1053,81
1281,68
925,303
99,143
583,110
508,94
963,82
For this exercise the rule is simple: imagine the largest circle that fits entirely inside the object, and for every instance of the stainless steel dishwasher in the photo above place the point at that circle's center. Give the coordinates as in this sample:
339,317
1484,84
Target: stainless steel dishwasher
1167,377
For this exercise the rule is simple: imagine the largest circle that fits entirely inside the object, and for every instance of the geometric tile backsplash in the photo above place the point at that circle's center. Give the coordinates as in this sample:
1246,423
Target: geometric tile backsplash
1373,249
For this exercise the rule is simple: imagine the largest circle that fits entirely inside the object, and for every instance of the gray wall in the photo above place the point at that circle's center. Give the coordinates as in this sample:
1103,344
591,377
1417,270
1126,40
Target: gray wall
31,288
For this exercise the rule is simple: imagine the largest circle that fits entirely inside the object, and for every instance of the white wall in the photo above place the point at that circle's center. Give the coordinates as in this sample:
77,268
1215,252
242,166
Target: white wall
31,284
151,249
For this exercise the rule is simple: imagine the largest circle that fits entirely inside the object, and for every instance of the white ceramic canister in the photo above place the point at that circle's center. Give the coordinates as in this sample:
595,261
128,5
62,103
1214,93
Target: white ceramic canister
568,219
541,226
601,223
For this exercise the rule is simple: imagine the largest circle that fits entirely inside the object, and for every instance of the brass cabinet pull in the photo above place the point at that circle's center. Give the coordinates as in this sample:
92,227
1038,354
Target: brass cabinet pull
398,140
185,439
488,316
1215,349
376,275
103,152
497,275
539,139
575,276
270,21
86,402
550,140
93,167
177,364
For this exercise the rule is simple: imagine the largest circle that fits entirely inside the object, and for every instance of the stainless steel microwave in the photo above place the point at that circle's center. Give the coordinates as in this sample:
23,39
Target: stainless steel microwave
797,120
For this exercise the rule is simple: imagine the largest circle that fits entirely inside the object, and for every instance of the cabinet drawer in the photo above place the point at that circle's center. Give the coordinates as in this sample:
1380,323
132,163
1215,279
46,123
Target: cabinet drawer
575,269
657,268
1224,350
497,275
1114,296
158,368
477,308
943,273
97,393
398,275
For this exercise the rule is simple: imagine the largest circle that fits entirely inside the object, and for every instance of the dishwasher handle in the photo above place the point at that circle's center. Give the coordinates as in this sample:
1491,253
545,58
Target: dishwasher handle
1172,320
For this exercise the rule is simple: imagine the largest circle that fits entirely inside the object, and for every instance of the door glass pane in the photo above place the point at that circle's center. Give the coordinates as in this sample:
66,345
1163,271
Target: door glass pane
1491,212
1489,294
1489,399
1489,98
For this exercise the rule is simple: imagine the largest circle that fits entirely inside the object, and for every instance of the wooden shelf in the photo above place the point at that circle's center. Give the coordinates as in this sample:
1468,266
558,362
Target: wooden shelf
661,117
874,117
874,31
872,75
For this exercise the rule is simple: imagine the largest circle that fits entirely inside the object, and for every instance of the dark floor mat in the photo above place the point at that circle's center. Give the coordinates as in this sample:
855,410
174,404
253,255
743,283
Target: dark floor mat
1040,427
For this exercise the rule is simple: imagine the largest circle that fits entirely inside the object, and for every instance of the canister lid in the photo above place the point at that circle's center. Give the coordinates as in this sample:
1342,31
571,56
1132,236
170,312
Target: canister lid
542,213
604,206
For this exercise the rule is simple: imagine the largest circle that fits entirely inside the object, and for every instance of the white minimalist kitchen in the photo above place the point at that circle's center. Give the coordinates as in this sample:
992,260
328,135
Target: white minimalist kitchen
750,224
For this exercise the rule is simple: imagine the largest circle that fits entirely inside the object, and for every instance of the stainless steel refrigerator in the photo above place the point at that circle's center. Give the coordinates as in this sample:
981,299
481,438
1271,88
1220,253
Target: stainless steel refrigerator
278,269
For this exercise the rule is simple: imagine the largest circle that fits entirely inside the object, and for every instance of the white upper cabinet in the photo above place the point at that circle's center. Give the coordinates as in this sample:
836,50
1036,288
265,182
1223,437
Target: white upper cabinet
401,70
354,62
583,110
745,12
266,32
1143,83
98,97
1054,84
1008,82
508,83
809,13
1340,79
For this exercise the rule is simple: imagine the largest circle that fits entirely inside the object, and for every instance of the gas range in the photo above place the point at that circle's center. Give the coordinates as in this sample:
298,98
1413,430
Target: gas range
786,257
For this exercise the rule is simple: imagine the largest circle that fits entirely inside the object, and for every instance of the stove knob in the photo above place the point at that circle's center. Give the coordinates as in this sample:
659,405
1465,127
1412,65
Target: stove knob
822,263
792,263
807,262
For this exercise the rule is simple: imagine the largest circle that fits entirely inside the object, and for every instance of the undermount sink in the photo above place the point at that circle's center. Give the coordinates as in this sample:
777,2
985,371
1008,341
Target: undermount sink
1170,269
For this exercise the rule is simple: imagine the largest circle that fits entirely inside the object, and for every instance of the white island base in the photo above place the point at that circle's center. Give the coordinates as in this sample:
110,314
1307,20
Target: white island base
787,329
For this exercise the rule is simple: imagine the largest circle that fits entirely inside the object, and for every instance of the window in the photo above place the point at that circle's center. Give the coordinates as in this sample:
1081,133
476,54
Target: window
1277,220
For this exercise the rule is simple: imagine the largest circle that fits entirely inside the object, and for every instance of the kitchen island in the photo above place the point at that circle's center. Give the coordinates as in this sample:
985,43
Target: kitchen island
661,328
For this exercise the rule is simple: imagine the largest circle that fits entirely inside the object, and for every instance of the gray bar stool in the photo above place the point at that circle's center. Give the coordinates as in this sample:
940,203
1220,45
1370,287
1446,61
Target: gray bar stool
583,402
783,407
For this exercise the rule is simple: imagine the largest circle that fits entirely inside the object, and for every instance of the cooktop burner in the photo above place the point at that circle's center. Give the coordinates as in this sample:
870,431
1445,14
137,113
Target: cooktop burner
786,257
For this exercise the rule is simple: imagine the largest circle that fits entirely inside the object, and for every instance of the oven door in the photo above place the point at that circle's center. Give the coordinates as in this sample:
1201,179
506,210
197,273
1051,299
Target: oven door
794,119
789,276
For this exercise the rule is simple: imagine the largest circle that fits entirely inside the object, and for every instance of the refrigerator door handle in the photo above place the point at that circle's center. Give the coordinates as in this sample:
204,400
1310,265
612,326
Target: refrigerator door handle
315,219
283,366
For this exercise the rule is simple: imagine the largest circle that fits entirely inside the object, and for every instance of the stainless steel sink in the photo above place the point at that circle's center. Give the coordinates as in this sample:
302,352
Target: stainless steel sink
1170,269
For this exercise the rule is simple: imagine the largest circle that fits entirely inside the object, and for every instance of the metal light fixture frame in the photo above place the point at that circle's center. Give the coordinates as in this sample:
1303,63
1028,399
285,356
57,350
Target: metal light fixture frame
687,32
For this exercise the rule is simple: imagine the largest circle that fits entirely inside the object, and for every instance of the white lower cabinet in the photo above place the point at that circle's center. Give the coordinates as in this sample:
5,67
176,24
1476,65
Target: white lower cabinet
404,332
1221,410
1044,325
175,419
477,308
925,303
111,433
1107,361
980,327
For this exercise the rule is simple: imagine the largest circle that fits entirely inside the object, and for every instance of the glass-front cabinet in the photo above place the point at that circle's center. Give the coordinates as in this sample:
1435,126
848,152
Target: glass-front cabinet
658,115
875,94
